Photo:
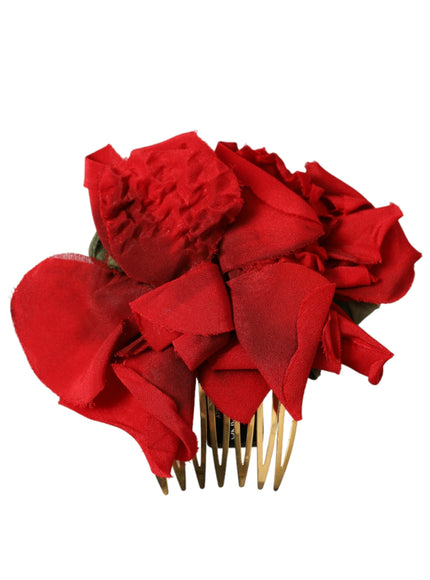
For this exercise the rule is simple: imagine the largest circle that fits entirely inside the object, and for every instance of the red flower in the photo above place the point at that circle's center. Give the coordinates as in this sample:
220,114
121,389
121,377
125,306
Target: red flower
230,269
164,209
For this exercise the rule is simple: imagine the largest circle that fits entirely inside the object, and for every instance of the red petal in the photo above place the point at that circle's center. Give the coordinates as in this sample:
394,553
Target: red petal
166,208
274,221
68,314
349,276
116,406
233,384
196,303
270,162
156,336
342,198
345,342
165,387
328,357
266,187
195,349
261,232
393,276
298,181
360,351
237,394
96,166
279,313
358,237
232,358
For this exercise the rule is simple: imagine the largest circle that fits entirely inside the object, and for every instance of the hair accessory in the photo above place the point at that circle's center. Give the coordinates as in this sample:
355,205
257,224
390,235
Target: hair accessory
220,266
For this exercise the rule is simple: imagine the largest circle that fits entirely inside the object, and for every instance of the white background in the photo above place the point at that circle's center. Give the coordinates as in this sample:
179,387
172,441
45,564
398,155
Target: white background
344,83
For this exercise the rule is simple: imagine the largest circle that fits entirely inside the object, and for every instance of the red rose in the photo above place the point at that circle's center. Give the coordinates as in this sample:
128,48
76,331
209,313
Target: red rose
229,268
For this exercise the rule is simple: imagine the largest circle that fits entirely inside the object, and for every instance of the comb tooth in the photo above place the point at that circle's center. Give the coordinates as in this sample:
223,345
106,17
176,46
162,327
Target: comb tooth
220,468
208,428
242,467
264,464
179,469
200,469
281,466
163,484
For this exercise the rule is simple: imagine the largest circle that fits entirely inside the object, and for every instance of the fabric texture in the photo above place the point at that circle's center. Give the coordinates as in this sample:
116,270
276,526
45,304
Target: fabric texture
219,266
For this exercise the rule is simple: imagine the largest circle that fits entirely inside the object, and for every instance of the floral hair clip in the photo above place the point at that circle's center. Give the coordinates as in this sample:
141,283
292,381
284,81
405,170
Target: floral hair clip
213,268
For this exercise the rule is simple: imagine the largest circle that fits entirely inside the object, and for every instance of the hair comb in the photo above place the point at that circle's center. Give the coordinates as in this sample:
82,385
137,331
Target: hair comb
217,270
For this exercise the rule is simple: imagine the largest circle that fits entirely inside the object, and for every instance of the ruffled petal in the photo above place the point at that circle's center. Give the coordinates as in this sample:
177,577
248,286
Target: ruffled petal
274,221
279,312
163,385
298,181
165,209
68,313
268,189
232,382
269,162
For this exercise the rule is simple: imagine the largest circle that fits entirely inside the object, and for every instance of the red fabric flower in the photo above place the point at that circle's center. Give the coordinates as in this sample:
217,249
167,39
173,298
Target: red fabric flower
229,269
164,209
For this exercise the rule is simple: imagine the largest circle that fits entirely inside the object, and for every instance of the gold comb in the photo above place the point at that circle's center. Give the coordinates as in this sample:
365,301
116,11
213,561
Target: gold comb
221,433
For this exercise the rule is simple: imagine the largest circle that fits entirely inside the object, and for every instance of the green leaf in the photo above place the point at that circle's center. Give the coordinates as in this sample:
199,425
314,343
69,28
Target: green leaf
358,311
97,251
